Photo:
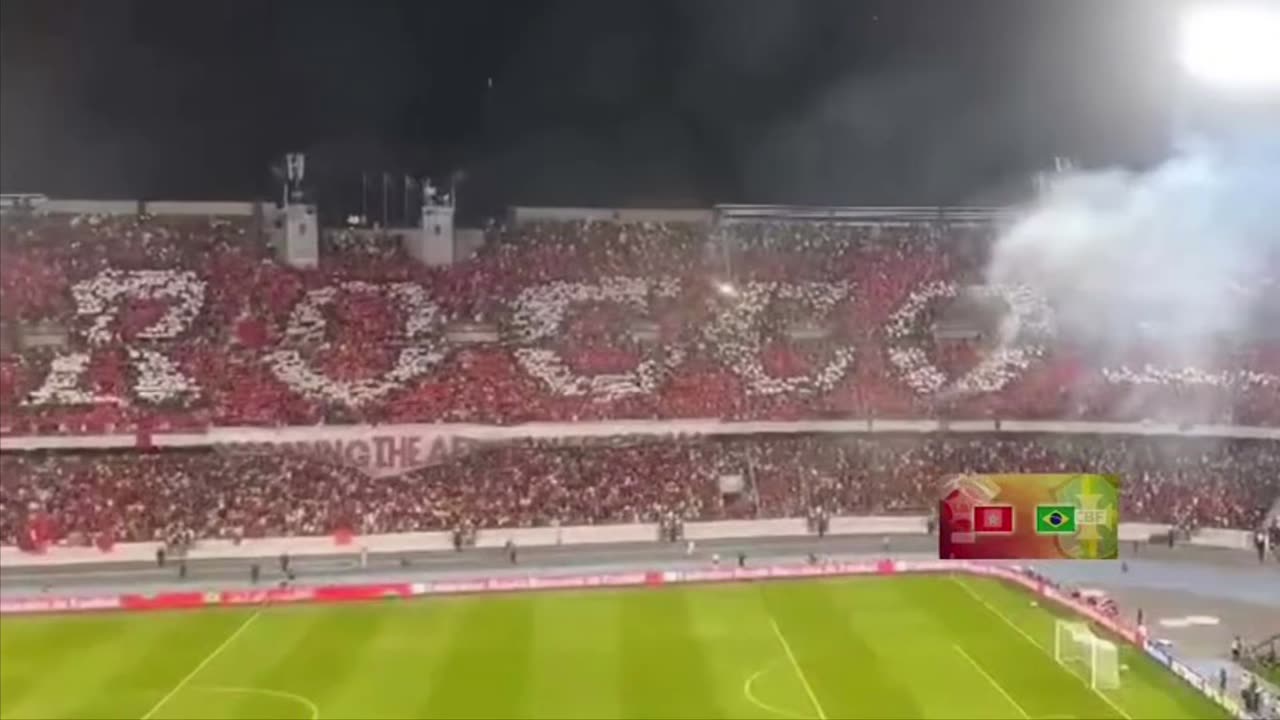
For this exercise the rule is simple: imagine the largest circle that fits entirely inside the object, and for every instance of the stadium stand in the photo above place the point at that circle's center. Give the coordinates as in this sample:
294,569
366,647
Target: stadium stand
154,324
185,322
82,496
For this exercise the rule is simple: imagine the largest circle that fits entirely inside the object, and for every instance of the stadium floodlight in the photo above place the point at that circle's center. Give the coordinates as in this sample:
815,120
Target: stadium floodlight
1233,46
1075,644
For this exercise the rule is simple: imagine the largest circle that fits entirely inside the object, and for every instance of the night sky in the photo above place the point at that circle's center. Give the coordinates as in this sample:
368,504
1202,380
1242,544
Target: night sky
638,103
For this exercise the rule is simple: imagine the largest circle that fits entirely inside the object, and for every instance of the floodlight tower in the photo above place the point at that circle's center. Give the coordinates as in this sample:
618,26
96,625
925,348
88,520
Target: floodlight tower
1230,56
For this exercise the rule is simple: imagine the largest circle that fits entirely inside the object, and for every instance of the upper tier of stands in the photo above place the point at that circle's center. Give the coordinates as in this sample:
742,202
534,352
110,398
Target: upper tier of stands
171,322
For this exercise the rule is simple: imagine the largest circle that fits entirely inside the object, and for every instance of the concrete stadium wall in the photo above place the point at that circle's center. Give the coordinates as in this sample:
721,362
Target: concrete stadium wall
519,215
154,207
441,541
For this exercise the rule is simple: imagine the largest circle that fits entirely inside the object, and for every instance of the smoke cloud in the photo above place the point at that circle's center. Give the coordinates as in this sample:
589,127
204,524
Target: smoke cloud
1176,263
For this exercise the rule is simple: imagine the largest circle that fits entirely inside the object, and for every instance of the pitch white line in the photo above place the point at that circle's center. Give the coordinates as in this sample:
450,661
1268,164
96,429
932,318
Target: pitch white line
994,684
750,694
786,646
995,611
208,659
294,697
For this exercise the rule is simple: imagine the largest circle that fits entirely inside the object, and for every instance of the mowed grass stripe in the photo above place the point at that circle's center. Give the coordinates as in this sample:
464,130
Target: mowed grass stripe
1146,689
89,666
38,663
1038,683
913,642
389,673
664,672
485,668
275,656
844,668
897,621
398,665
149,661
995,684
1079,674
575,659
732,623
316,655
213,655
193,644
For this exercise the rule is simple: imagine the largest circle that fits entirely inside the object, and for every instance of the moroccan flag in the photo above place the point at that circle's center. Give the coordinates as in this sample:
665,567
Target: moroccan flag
993,518
1055,519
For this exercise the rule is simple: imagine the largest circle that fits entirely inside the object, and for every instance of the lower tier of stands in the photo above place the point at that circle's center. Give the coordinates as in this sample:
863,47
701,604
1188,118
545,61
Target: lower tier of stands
110,496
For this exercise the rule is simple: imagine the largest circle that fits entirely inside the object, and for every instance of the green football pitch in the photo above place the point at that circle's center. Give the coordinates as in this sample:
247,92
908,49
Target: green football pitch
874,647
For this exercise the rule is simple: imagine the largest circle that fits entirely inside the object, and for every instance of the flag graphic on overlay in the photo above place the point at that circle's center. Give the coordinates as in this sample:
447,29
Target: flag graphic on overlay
1029,516
1055,519
993,518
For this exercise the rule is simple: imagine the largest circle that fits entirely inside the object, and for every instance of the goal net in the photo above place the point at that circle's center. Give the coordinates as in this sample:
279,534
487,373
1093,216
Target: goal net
1075,645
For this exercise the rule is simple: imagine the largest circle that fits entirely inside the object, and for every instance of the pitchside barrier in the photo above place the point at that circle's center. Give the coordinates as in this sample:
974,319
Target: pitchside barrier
538,537
655,578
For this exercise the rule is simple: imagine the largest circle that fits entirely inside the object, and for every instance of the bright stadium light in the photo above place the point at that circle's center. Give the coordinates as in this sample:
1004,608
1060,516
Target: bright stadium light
1233,46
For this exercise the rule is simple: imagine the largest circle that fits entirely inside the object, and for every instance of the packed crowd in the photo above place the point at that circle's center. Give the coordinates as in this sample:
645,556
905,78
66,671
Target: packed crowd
190,322
153,496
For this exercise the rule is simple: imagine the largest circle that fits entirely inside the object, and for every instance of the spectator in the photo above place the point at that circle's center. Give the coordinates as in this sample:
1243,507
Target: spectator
197,494
185,322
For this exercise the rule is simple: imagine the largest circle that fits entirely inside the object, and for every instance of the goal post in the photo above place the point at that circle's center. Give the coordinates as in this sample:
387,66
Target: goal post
1075,645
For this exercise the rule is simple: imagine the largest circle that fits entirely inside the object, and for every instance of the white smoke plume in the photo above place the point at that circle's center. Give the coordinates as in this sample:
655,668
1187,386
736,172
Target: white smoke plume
1177,262
1186,248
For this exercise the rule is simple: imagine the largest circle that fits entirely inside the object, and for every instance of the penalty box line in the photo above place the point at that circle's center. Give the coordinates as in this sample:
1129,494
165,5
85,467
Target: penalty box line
208,659
996,611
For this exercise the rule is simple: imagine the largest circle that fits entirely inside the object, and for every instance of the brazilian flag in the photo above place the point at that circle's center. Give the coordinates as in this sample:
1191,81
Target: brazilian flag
1055,519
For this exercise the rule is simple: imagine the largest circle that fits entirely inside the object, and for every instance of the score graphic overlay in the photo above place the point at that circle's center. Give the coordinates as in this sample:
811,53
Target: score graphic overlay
1033,517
